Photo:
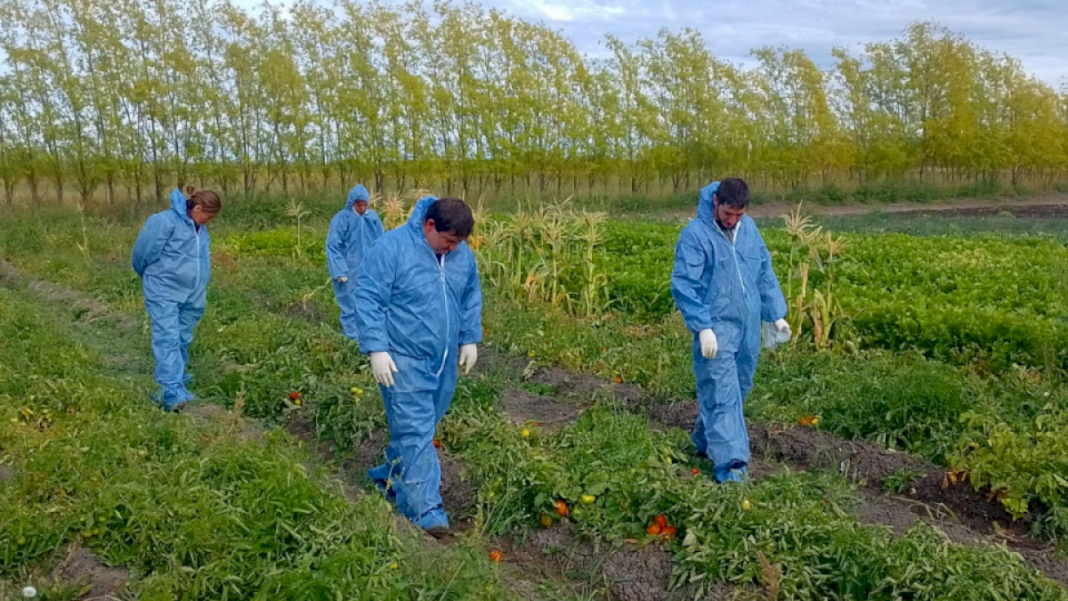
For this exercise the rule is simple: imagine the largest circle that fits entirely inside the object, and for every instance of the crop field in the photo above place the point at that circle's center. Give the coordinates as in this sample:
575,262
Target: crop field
910,443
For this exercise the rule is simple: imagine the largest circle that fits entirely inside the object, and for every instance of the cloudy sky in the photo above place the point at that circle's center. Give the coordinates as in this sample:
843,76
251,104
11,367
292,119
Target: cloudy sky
1033,31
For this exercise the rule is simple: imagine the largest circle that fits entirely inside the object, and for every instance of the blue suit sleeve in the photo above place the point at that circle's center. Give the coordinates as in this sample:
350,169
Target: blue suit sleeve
374,289
335,248
378,228
686,287
206,256
149,245
772,302
471,308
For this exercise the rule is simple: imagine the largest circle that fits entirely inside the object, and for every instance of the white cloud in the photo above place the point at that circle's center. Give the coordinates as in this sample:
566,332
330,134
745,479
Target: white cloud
1033,31
552,12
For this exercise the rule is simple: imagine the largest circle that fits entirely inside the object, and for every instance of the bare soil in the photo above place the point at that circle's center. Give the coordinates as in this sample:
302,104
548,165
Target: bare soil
1038,206
307,311
584,386
549,414
626,573
458,491
631,573
214,414
100,582
966,516
84,308
84,311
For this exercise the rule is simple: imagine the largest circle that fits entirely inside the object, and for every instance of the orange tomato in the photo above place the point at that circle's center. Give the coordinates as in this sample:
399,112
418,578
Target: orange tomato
496,555
668,532
437,443
561,508
652,530
661,521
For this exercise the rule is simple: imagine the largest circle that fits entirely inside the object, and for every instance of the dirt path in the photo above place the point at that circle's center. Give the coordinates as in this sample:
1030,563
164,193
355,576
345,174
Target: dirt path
94,323
965,515
88,318
593,570
1055,205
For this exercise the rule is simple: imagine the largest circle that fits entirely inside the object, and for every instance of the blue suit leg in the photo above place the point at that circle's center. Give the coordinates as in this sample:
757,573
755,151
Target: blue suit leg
698,435
748,355
412,465
446,387
188,318
166,348
721,421
346,301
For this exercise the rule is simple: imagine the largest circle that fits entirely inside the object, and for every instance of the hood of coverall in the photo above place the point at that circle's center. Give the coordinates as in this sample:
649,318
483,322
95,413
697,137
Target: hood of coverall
706,209
357,193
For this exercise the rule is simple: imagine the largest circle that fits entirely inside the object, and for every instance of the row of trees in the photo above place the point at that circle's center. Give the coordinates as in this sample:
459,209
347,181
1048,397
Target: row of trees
121,98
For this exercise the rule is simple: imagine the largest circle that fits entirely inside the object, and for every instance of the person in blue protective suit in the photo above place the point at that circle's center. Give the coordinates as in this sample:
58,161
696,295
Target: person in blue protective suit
352,231
171,257
420,319
724,286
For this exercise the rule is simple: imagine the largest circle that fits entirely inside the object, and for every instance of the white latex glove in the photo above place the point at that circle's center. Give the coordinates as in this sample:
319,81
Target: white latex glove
383,367
776,333
709,344
342,280
468,356
783,329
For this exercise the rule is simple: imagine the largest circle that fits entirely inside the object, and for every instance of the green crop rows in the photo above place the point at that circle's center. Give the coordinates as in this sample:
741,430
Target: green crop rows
948,347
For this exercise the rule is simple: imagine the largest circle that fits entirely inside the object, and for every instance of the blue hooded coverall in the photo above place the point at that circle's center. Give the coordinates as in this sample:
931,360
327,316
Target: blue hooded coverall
420,309
171,257
350,236
728,288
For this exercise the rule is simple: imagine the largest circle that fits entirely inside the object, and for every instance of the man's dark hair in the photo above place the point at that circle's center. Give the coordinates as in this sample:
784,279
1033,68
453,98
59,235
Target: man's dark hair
451,216
733,192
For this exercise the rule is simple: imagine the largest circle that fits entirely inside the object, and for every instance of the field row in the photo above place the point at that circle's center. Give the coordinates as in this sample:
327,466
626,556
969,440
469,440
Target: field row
270,331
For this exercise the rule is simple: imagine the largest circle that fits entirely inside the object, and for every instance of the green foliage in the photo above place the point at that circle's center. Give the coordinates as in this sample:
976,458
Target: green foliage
988,300
278,243
195,509
93,461
899,481
1022,466
797,522
906,403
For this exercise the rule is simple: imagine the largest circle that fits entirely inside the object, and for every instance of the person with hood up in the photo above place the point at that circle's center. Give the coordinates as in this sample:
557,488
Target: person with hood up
352,231
171,257
724,286
420,319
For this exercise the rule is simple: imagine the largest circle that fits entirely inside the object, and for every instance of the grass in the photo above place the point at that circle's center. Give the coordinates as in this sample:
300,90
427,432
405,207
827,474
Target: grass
940,225
271,329
194,509
798,522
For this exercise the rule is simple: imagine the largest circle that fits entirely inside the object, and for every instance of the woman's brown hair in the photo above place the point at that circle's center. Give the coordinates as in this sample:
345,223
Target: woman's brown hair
207,200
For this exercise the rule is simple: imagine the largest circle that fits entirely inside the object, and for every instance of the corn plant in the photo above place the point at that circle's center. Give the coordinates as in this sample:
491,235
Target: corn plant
594,298
392,211
547,254
296,211
83,246
812,252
